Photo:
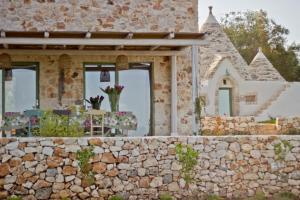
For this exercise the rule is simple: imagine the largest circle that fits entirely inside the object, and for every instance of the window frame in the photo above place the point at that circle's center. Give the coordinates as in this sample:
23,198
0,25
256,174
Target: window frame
131,66
22,65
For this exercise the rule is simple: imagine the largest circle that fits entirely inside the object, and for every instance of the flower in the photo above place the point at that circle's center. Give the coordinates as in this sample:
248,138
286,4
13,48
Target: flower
110,90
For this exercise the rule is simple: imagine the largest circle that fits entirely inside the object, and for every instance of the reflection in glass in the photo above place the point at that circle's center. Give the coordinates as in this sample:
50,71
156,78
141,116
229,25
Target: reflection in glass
136,98
20,92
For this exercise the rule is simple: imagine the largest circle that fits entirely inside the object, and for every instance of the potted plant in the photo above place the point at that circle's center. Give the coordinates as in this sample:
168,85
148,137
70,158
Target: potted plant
95,102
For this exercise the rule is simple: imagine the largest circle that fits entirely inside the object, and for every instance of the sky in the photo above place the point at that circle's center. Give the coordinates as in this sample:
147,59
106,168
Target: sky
284,12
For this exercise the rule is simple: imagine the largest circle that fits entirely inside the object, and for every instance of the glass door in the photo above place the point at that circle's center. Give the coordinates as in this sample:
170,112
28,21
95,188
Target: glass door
136,98
225,102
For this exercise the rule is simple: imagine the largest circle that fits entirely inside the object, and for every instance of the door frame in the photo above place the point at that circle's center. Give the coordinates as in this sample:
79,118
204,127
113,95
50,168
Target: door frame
131,66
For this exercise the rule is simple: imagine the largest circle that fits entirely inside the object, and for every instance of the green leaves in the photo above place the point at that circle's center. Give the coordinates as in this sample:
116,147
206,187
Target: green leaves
282,149
187,157
253,29
53,125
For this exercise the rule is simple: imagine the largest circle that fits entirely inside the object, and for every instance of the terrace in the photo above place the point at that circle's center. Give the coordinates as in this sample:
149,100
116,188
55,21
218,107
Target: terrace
80,64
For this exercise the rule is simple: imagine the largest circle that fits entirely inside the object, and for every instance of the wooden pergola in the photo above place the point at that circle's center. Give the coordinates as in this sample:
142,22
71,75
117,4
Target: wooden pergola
112,43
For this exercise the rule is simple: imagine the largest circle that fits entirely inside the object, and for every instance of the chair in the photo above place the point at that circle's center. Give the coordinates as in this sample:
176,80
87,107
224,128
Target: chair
96,115
33,116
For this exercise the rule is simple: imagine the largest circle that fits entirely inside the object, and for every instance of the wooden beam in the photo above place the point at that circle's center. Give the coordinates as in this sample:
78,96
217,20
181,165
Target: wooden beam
3,35
88,35
90,52
101,42
128,36
169,36
46,35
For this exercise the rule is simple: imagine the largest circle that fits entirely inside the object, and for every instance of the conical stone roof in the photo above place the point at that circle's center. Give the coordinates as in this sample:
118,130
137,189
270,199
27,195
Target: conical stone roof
261,69
218,43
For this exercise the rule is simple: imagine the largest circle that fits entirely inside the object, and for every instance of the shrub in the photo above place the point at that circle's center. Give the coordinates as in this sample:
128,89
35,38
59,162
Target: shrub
165,197
258,196
285,196
54,125
188,159
116,197
14,197
83,157
282,149
214,197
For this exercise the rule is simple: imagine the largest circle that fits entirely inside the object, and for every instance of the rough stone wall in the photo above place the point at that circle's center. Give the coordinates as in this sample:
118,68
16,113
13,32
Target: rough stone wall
227,125
142,168
289,125
99,15
248,126
74,86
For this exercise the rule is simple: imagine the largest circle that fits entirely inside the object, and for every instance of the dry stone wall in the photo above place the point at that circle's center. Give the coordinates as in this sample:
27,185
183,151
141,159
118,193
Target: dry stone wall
142,168
248,126
289,125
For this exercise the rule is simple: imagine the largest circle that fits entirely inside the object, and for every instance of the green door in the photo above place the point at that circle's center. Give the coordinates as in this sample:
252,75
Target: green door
225,107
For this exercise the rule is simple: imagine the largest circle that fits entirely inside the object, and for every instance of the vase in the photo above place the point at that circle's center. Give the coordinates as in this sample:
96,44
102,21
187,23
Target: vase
114,102
96,106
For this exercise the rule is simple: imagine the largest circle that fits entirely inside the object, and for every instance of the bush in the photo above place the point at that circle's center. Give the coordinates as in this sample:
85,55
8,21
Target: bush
14,197
258,196
214,197
165,197
53,125
285,196
188,159
116,197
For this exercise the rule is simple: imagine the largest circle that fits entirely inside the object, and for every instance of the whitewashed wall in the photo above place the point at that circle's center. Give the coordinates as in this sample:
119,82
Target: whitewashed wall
287,104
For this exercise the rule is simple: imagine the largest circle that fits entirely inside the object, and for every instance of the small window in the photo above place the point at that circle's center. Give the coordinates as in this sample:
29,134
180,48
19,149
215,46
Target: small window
250,99
224,82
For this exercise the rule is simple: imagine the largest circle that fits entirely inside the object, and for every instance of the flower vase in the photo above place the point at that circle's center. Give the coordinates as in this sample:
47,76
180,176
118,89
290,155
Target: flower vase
114,101
96,106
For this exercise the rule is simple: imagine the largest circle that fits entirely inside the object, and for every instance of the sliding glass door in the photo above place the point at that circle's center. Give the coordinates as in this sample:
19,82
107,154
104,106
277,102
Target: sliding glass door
136,96
20,92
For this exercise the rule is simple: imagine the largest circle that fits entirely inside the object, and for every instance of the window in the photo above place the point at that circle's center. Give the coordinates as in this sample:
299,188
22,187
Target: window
136,96
21,92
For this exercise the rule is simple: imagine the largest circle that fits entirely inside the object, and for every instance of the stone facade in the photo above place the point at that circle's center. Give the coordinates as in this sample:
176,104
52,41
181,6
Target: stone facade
99,15
74,87
142,168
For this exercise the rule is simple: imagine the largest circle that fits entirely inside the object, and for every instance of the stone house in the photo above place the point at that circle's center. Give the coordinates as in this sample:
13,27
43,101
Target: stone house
231,87
170,61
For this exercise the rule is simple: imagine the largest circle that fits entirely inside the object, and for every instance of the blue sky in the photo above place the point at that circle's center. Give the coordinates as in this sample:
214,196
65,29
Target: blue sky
284,12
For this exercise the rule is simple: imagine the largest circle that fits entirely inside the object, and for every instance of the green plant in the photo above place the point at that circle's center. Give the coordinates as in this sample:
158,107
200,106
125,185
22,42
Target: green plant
199,104
116,197
282,149
258,196
83,157
285,196
53,125
214,197
165,197
188,159
14,197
